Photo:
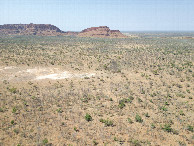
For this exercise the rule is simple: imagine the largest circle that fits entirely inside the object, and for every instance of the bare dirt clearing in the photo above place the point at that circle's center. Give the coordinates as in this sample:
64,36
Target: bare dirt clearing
12,73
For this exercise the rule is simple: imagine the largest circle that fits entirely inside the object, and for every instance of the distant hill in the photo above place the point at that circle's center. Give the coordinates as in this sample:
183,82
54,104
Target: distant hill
51,30
101,31
30,29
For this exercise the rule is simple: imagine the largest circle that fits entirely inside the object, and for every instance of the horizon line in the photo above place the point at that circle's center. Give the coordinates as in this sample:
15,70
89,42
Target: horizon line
108,26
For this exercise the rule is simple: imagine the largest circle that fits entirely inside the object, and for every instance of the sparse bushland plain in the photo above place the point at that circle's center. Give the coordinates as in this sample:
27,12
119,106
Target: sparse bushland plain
141,92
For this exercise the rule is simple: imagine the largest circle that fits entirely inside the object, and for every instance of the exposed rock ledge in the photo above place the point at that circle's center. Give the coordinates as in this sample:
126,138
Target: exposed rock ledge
101,31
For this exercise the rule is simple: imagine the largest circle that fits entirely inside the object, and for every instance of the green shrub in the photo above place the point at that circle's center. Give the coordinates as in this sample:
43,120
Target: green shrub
166,103
88,117
164,108
107,122
147,115
45,141
95,142
125,100
190,128
75,129
155,72
138,118
130,121
12,122
135,142
139,100
1,110
59,110
14,110
85,99
181,113
13,90
121,104
167,128
16,131
115,139
153,126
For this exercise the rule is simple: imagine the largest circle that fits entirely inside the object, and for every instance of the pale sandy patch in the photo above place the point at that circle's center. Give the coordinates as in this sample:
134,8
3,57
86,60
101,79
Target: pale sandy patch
64,75
39,73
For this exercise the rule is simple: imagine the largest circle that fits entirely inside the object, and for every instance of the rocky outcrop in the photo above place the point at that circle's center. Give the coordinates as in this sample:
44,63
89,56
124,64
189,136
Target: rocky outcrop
51,30
30,29
101,31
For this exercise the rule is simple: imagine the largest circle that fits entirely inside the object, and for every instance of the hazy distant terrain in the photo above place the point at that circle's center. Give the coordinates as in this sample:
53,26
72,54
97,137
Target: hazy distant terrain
67,90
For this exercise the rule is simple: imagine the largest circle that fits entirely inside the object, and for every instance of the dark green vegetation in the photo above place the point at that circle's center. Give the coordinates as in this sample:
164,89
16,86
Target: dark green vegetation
88,117
107,122
138,118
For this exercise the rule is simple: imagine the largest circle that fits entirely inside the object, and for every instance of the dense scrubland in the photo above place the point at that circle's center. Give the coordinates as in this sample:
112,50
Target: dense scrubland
141,93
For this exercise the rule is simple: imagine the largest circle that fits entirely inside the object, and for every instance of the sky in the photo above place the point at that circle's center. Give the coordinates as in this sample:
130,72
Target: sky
124,15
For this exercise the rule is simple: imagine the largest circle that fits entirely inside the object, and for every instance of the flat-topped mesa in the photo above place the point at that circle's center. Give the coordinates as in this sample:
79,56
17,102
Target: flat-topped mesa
96,28
30,29
101,31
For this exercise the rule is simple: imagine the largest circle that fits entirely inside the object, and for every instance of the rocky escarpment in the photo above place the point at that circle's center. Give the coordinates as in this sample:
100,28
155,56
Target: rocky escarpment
101,31
30,29
51,30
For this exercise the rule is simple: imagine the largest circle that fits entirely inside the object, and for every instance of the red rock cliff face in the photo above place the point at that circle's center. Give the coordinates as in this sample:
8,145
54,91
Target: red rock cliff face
101,31
30,29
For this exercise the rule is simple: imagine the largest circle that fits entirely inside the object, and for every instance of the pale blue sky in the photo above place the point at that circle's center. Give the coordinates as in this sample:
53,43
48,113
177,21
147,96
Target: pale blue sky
125,15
